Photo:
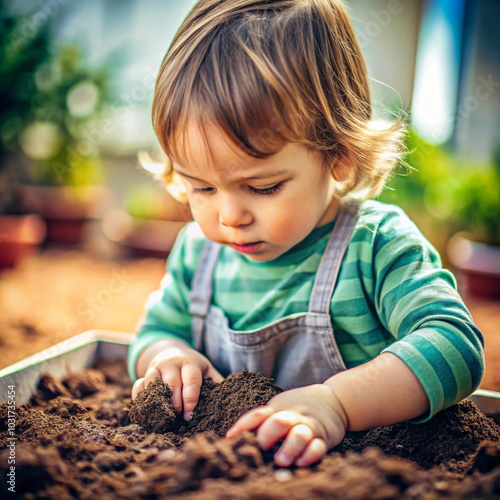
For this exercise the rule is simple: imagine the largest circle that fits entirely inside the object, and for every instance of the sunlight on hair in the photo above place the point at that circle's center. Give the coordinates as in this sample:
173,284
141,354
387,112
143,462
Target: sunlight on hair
175,187
163,173
147,162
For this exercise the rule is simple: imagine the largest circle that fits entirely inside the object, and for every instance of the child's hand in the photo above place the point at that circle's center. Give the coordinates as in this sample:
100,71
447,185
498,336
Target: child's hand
311,420
183,369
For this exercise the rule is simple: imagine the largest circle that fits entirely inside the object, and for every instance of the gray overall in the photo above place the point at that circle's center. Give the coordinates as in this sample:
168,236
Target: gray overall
297,350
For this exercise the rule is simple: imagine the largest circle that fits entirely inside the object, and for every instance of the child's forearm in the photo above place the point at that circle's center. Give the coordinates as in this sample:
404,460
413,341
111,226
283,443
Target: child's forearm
381,392
152,350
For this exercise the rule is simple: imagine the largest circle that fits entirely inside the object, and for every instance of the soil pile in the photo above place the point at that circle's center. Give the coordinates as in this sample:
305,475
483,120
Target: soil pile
219,405
83,438
461,429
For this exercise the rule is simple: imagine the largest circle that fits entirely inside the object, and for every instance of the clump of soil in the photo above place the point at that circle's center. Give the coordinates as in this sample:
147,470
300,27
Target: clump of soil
76,385
153,409
84,384
100,445
219,405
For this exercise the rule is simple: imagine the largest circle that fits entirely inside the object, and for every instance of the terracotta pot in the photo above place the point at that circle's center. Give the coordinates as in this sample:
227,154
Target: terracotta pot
141,237
19,236
66,209
478,265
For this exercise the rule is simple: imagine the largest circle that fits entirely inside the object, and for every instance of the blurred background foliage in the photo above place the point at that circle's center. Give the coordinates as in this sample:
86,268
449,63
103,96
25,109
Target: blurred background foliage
145,201
19,59
17,78
67,100
445,193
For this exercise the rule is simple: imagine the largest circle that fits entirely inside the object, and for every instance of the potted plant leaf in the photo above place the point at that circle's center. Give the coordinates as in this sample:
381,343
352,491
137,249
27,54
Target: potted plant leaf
66,172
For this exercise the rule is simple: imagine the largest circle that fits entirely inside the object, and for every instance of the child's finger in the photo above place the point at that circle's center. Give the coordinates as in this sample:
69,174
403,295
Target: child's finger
191,384
151,374
171,375
314,452
137,387
276,427
294,444
212,373
250,420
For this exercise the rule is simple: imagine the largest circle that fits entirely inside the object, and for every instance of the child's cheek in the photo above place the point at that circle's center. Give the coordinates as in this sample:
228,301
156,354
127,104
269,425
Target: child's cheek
198,204
285,226
202,214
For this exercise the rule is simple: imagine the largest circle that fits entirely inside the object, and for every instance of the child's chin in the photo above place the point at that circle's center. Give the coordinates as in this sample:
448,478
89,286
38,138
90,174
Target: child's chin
263,256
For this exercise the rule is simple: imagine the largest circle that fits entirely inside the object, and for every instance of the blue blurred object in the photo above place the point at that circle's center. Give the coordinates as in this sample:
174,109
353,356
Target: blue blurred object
456,95
438,69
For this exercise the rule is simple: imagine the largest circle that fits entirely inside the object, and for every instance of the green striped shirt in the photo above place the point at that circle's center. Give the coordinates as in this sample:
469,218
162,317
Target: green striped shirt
391,296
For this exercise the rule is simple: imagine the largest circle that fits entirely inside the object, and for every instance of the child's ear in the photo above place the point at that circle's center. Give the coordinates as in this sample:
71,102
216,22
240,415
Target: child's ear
342,169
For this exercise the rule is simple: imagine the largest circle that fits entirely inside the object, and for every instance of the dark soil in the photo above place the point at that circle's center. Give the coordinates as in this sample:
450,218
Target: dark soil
83,438
461,429
218,408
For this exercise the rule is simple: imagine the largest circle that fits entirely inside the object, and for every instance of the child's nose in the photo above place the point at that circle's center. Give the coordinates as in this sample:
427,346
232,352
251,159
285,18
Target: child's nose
233,214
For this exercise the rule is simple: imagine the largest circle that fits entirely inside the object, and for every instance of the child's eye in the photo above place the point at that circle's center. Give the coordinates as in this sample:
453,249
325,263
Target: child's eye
202,189
270,190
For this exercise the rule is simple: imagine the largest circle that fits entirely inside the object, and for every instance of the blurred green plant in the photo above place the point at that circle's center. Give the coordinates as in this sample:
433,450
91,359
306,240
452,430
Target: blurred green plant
65,109
446,194
146,202
150,201
20,56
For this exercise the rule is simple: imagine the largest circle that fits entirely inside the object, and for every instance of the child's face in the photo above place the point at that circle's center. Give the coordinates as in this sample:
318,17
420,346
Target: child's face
260,208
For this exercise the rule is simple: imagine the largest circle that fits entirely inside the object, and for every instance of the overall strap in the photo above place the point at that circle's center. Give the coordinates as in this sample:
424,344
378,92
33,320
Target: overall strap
201,291
329,267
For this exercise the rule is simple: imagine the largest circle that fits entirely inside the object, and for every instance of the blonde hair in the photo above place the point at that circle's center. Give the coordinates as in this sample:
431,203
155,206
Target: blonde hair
268,72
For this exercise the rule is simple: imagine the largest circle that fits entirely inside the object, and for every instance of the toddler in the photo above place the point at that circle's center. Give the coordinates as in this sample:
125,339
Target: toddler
288,269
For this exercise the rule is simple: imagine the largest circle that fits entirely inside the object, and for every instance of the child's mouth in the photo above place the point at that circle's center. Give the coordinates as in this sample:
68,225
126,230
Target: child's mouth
247,247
